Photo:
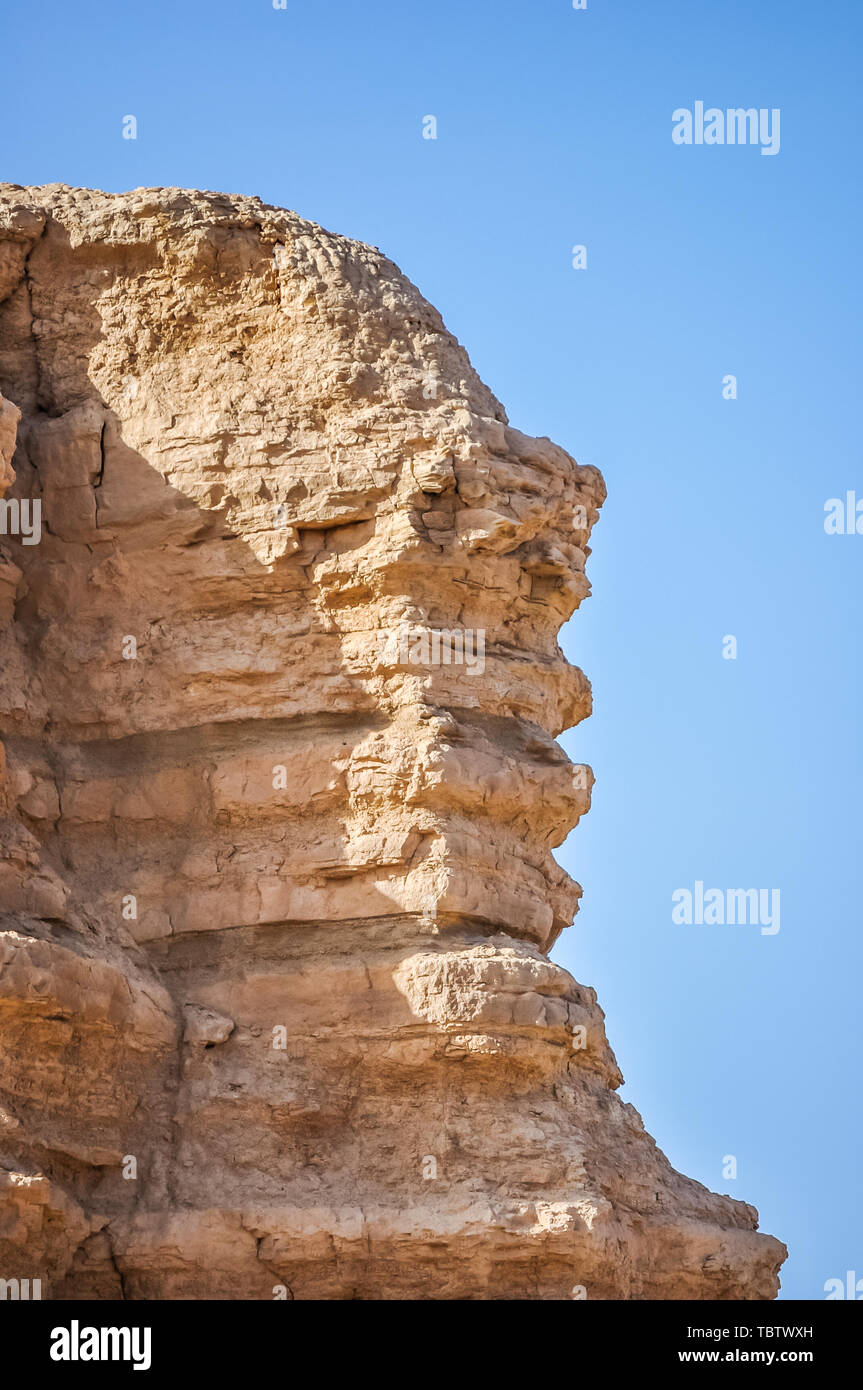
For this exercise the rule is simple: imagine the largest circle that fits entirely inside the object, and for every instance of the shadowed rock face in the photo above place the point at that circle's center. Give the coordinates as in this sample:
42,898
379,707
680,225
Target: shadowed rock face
279,694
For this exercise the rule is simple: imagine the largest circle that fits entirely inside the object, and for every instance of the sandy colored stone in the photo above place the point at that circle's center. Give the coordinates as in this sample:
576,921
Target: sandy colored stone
276,899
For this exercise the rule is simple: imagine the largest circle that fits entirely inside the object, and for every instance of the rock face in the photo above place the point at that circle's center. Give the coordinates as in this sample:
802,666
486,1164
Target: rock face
280,688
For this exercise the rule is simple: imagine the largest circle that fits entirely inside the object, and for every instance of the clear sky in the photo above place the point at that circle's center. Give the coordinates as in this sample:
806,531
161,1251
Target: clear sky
554,130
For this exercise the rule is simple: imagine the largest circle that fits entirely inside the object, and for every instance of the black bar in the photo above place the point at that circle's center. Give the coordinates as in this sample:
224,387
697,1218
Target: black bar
420,1340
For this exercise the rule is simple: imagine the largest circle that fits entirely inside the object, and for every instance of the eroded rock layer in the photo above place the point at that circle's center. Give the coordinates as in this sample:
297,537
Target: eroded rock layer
279,697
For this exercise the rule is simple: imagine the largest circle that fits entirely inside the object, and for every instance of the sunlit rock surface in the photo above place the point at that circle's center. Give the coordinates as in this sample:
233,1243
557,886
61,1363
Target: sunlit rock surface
279,698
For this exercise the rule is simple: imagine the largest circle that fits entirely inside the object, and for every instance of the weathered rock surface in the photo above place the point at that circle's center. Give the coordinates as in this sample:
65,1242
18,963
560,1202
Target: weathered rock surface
280,688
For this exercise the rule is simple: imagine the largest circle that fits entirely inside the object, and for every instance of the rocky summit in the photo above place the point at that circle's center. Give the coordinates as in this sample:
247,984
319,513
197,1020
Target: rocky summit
280,590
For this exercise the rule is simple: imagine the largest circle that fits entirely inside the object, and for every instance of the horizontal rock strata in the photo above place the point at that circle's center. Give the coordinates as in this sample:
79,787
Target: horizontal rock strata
280,789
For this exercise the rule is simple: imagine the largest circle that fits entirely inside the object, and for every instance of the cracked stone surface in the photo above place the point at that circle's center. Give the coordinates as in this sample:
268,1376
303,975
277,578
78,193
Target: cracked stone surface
279,692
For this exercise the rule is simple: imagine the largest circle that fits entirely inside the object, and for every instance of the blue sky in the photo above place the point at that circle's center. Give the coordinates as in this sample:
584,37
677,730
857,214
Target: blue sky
554,129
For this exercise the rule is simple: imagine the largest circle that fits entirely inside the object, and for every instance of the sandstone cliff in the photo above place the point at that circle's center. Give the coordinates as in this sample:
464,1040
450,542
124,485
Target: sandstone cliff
279,697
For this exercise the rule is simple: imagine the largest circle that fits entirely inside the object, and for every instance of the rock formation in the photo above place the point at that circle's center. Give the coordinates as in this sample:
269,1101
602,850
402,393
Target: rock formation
279,697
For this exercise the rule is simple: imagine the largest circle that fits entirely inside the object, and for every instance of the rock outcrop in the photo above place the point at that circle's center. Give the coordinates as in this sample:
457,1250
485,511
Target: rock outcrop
280,788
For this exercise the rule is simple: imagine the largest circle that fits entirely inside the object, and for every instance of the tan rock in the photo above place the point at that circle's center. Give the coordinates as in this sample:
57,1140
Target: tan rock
279,693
